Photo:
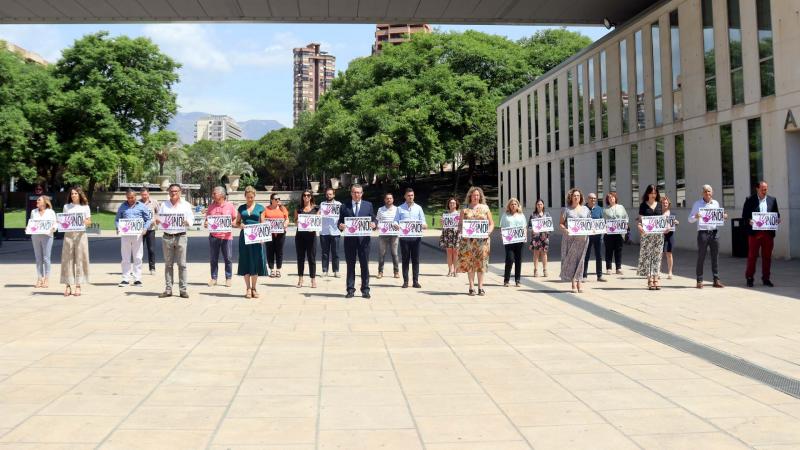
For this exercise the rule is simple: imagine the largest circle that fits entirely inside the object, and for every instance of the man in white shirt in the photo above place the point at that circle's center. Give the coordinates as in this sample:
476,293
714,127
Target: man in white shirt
387,213
409,247
174,241
329,237
707,237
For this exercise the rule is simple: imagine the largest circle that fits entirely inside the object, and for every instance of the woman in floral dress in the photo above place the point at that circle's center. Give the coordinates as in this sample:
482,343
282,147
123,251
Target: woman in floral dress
573,248
473,254
449,239
540,242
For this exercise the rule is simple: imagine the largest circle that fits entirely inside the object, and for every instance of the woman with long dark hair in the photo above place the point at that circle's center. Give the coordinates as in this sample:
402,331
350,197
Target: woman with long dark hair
651,245
305,242
274,211
75,249
540,242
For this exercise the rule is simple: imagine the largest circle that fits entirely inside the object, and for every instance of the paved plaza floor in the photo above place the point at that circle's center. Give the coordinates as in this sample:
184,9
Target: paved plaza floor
529,367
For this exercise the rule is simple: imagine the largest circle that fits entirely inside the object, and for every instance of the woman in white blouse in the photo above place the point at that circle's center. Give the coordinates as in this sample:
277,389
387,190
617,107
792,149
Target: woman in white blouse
75,249
43,243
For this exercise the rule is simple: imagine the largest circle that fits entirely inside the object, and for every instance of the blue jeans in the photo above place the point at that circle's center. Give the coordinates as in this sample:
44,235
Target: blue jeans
330,250
215,245
42,247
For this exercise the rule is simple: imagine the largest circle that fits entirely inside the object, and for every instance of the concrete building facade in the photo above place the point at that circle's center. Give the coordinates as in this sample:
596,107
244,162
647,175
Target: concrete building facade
217,128
314,71
688,92
25,54
394,34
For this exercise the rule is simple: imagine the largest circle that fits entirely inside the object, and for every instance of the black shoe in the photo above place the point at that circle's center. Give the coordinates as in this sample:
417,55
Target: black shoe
417,285
184,294
405,285
349,295
137,284
601,279
768,283
749,282
123,283
165,294
366,295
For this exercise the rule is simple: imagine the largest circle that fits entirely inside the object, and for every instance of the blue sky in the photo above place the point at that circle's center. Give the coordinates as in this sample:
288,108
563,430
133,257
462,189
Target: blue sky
242,70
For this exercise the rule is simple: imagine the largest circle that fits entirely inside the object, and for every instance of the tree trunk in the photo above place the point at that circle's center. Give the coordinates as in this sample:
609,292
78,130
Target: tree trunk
90,190
160,168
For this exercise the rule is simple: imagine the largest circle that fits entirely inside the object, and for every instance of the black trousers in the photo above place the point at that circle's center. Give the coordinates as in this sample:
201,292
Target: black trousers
613,243
513,256
409,251
330,248
596,243
275,251
305,244
149,244
357,247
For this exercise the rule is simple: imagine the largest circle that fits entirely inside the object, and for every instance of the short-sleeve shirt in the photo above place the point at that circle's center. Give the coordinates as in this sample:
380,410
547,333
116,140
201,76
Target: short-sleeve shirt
646,210
225,209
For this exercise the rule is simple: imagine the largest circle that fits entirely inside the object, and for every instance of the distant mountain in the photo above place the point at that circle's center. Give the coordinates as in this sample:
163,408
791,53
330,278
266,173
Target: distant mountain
183,124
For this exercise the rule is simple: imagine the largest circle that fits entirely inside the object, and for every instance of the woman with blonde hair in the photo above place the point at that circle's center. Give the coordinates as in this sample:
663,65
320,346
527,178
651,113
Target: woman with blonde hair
666,204
43,243
573,248
513,217
251,257
473,253
75,248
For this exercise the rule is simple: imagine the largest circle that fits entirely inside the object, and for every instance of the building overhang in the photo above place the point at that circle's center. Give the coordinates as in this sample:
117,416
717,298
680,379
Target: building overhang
523,12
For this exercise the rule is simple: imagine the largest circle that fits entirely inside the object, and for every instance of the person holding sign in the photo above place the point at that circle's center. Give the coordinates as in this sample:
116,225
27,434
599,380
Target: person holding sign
651,240
251,257
761,217
150,236
41,226
538,221
131,244
75,249
512,225
357,220
595,241
448,240
474,247
277,215
410,215
305,242
174,216
221,213
573,245
386,218
614,241
330,234
669,240
707,213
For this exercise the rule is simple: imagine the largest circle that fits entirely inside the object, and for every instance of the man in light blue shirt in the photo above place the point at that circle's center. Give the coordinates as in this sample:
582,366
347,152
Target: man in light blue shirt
131,246
409,247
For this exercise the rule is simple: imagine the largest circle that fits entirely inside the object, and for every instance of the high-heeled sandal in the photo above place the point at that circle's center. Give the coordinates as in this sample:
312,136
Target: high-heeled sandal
649,284
67,291
300,283
481,292
38,283
535,273
574,289
248,294
471,292
77,292
255,293
313,283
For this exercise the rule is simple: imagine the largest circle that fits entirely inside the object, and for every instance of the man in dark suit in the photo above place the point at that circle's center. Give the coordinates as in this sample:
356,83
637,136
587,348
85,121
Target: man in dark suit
357,246
759,239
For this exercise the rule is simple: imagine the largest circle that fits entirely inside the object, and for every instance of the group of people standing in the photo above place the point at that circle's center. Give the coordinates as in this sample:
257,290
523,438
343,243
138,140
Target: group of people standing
464,254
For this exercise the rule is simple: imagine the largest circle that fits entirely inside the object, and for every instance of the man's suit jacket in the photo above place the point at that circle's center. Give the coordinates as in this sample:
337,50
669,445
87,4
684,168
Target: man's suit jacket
365,210
751,206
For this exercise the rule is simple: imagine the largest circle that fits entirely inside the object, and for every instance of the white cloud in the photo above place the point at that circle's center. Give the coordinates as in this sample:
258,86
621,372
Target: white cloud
192,45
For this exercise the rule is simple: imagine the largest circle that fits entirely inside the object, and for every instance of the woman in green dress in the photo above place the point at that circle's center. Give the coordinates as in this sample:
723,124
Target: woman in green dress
251,257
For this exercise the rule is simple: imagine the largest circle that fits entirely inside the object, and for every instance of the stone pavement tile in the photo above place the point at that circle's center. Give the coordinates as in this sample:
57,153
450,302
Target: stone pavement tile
682,441
724,377
107,385
656,421
157,439
622,399
336,396
595,436
42,446
764,394
357,360
355,378
700,386
285,366
527,393
762,430
656,372
46,375
550,413
279,386
274,406
72,360
451,405
264,447
476,428
38,394
793,409
590,381
10,366
91,405
216,378
713,406
12,415
62,429
220,361
489,445
266,431
363,417
190,396
583,365
174,418
369,439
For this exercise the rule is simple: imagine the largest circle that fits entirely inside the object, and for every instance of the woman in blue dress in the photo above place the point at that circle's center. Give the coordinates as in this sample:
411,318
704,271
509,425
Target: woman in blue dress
251,257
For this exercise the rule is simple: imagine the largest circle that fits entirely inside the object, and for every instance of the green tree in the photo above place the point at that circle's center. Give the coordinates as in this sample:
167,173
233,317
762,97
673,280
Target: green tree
548,48
161,146
275,155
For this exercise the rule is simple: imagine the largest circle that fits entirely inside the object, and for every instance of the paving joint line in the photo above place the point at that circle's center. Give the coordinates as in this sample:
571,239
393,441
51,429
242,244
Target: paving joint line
403,391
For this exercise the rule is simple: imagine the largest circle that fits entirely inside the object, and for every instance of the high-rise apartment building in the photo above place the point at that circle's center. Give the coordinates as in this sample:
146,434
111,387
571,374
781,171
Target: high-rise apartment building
217,128
396,33
25,54
313,75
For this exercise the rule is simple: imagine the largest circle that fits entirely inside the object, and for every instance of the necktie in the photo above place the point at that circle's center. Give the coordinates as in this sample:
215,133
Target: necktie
356,211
